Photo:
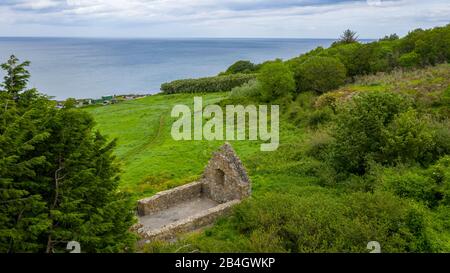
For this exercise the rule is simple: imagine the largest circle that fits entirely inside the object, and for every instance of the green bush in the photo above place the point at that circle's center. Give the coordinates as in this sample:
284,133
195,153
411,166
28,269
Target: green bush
441,137
410,183
206,85
430,186
276,80
440,172
318,145
346,53
249,90
398,225
409,60
381,127
359,131
316,221
418,48
408,139
302,112
241,67
320,74
319,116
362,59
429,46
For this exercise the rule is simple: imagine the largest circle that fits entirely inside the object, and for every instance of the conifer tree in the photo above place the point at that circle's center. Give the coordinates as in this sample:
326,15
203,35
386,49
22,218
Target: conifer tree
58,176
16,78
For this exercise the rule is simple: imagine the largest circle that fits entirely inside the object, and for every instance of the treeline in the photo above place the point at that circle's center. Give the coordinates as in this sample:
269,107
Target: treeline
321,69
324,69
206,85
419,48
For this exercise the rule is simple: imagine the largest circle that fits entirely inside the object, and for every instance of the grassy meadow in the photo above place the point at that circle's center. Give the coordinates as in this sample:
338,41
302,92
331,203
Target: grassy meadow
151,160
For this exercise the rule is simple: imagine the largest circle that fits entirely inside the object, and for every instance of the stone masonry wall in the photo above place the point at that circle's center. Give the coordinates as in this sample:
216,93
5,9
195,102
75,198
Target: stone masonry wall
196,222
165,199
225,178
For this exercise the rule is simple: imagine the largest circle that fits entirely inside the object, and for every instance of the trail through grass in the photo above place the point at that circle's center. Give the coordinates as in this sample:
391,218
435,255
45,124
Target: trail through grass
151,160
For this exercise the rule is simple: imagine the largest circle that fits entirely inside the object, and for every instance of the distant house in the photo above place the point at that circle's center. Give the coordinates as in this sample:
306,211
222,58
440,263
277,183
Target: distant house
108,98
105,100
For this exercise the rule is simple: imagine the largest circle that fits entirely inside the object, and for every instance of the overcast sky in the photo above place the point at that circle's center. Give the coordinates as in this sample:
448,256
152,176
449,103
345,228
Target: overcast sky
218,18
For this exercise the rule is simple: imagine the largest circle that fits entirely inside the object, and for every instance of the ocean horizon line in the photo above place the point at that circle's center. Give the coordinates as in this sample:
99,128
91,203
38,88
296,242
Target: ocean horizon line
174,38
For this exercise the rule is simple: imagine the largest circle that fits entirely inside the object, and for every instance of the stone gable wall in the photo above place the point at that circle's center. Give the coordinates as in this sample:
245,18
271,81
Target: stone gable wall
236,184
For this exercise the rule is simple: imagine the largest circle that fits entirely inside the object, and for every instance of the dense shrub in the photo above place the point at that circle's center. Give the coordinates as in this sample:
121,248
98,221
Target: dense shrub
428,46
430,186
320,222
410,183
205,85
318,145
409,60
441,137
359,131
319,74
398,225
381,127
408,139
419,48
241,67
249,90
440,172
347,55
319,116
276,81
302,112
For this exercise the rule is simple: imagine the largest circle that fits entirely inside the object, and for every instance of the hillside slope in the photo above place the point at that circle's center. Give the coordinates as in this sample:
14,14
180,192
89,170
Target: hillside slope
151,160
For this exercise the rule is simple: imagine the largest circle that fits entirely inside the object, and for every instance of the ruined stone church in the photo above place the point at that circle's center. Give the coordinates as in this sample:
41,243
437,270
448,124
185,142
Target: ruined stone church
223,184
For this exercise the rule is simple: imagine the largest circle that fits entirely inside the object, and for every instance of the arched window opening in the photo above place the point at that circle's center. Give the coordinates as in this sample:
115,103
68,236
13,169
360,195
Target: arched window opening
219,177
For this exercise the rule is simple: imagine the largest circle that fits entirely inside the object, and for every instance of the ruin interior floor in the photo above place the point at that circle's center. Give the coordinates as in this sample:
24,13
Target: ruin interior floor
177,212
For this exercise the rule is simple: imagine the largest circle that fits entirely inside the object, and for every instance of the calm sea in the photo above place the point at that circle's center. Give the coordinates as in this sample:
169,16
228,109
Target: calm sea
90,68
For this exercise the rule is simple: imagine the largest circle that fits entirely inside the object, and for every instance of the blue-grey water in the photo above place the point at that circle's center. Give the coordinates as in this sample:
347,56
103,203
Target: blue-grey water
90,68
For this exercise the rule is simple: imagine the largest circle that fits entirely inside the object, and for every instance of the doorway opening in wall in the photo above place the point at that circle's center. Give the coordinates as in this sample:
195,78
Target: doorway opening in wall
220,177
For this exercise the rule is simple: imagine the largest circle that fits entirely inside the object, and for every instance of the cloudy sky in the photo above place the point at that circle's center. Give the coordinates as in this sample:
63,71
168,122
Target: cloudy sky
218,18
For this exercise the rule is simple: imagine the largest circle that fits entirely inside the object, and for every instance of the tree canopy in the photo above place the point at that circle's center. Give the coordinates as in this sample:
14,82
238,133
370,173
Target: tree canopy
58,176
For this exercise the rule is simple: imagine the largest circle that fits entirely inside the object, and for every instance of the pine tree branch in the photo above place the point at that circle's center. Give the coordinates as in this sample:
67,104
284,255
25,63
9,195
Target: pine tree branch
16,200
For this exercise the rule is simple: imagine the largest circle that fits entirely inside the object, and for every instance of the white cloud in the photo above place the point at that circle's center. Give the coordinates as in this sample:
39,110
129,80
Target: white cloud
252,18
38,4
